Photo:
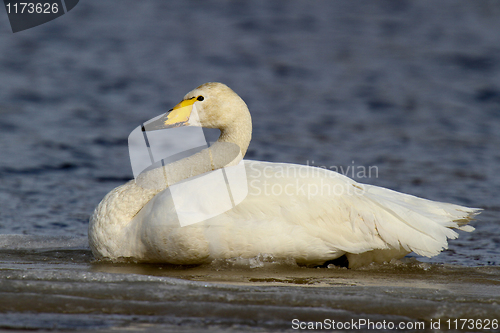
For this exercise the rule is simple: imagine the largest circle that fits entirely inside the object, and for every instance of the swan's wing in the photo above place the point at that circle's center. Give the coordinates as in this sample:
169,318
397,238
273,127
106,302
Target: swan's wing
353,217
310,214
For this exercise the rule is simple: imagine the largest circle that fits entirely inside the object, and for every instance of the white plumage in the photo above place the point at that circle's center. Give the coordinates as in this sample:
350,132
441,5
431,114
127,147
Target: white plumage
292,211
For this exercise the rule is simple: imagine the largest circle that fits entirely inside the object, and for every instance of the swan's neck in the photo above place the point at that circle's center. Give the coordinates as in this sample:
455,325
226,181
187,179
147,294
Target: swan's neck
229,150
238,135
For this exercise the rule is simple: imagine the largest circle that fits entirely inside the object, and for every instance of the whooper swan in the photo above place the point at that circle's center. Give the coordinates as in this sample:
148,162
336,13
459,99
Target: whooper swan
355,223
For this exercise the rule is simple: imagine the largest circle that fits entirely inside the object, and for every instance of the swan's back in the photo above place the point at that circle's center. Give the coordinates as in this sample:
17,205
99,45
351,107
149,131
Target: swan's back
309,214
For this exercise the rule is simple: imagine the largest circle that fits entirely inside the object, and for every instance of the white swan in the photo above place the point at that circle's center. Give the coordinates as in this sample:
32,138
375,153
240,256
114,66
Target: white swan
360,223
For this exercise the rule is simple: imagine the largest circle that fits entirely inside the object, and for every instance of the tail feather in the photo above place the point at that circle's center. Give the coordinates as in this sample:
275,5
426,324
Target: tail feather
415,224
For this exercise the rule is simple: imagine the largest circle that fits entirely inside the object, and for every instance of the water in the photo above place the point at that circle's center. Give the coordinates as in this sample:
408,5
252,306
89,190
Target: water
64,288
412,89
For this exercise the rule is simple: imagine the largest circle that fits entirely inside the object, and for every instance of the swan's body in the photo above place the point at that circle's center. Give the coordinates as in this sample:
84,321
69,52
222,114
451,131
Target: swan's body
311,215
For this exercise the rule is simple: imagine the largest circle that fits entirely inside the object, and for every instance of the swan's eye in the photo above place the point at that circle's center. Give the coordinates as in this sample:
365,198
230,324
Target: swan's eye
200,98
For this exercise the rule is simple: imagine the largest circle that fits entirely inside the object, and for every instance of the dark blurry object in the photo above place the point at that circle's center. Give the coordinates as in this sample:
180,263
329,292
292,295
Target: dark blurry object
26,15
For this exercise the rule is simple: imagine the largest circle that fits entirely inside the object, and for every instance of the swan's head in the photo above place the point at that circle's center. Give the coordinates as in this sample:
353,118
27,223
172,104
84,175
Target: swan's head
211,105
